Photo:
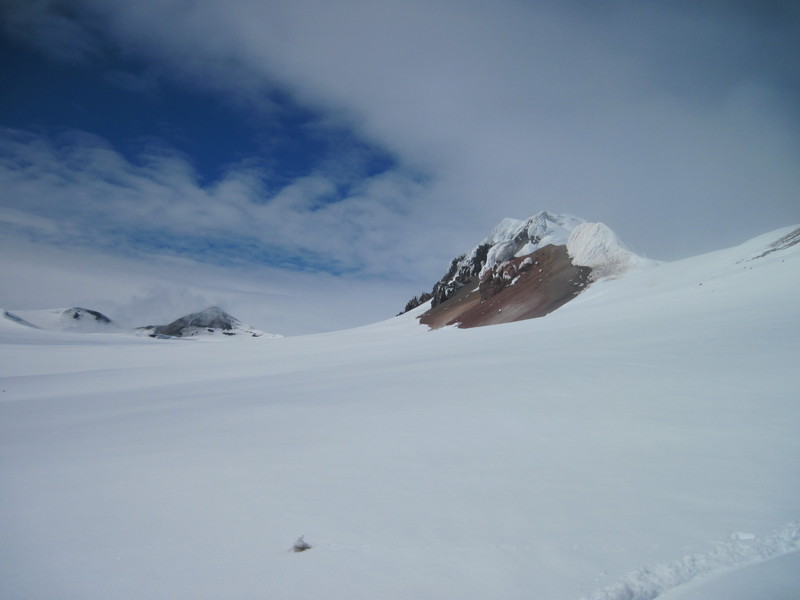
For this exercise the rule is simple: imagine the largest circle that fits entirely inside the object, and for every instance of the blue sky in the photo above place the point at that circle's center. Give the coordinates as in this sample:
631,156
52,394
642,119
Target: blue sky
359,146
123,102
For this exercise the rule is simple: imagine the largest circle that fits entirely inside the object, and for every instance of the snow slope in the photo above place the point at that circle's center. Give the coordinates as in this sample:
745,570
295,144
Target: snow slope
627,446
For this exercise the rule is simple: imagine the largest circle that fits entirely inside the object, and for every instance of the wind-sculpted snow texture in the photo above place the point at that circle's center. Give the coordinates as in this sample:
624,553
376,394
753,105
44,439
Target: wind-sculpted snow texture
743,549
641,437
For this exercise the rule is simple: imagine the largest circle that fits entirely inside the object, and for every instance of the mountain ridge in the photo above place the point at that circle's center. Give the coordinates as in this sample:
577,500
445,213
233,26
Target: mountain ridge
210,321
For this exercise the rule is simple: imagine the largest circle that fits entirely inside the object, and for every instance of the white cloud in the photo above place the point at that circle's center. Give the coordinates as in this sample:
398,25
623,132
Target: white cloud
612,111
76,192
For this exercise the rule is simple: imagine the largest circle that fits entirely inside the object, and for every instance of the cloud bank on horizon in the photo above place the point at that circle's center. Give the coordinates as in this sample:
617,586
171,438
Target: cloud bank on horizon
371,141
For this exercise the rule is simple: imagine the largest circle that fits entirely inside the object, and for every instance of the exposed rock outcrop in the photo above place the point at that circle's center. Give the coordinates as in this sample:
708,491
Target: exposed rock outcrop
78,313
524,287
525,269
508,239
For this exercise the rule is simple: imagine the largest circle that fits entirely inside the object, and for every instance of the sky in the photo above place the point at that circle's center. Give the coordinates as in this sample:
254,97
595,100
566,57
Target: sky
311,165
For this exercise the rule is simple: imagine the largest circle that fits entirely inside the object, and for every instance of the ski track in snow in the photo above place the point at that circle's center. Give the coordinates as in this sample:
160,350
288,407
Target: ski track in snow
741,551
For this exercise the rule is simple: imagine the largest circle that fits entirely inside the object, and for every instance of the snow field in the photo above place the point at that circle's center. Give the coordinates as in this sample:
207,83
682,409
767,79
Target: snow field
558,458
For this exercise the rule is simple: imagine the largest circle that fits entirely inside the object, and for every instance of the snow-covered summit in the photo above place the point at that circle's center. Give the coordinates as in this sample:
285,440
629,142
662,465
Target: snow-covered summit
210,321
513,237
542,228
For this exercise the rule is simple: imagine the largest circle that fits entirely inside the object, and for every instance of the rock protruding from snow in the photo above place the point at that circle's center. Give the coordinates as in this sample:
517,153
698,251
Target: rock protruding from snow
301,545
595,245
787,241
77,313
508,239
524,287
210,321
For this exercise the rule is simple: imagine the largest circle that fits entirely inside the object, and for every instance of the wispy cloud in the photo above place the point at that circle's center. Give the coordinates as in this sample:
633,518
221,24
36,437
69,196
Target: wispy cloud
76,189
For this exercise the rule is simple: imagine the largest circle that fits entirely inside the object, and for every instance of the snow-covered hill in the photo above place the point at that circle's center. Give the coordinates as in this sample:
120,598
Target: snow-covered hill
642,437
209,322
74,319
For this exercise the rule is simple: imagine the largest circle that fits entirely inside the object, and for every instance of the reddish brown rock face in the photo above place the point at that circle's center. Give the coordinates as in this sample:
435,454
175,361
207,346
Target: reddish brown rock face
521,288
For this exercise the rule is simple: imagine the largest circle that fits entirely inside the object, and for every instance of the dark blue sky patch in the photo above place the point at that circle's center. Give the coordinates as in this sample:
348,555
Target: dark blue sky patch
125,103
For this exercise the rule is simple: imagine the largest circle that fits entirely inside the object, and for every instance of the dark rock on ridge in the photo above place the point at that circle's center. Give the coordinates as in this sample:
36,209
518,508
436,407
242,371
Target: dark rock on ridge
507,239
209,320
78,313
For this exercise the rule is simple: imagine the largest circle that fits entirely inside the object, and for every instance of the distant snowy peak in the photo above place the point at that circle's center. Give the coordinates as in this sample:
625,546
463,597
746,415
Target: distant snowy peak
74,319
211,321
595,245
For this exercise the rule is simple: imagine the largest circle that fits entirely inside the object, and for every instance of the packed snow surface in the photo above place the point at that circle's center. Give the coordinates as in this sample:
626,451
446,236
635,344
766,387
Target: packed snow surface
637,443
